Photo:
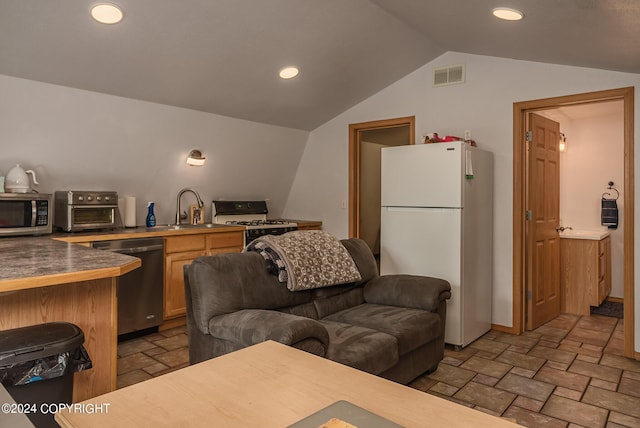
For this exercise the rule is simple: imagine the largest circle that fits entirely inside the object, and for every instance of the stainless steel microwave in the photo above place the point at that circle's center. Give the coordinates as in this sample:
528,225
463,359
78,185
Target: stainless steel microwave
26,214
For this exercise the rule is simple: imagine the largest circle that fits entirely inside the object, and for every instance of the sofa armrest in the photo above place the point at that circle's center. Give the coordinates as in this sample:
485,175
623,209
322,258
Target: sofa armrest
250,326
410,291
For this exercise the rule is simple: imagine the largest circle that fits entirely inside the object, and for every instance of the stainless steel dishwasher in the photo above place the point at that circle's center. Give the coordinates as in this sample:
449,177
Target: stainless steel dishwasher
140,292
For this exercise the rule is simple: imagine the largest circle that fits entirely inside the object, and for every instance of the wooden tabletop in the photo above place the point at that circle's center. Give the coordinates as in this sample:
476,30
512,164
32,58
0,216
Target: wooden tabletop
266,385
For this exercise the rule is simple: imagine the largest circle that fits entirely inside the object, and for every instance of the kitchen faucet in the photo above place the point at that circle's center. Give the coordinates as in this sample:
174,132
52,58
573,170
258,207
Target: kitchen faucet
179,216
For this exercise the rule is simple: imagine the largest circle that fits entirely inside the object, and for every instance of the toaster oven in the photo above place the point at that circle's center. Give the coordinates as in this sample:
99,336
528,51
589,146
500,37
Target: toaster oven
77,211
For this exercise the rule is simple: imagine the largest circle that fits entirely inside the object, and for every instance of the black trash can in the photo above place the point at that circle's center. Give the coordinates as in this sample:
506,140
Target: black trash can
37,365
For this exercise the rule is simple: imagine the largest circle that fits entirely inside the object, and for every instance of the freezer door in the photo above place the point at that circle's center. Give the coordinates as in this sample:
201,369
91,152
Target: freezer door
424,175
426,241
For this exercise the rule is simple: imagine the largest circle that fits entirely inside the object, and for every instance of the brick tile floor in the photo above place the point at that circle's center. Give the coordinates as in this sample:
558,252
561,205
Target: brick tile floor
568,373
152,355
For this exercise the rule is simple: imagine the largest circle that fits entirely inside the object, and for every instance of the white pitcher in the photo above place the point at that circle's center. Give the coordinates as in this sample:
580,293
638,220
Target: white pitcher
17,180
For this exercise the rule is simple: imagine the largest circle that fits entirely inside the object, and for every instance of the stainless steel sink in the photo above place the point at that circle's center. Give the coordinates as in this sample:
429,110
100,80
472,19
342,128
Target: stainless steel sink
182,226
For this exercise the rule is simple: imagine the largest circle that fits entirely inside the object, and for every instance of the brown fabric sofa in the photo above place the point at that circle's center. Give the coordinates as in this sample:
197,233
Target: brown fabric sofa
391,326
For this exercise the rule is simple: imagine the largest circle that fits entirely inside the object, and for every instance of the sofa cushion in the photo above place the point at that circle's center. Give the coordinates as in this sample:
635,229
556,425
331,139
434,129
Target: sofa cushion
230,282
408,291
250,326
411,327
360,347
330,304
307,310
363,257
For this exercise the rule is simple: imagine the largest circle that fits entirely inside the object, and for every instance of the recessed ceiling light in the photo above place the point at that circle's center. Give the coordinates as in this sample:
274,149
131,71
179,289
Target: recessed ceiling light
508,14
289,72
107,13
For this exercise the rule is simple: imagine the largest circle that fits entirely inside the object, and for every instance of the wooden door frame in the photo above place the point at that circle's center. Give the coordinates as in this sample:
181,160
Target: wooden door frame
355,130
520,110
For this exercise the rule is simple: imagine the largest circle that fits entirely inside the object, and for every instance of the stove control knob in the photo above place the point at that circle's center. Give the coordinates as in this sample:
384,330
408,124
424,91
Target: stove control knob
107,198
89,198
80,198
98,198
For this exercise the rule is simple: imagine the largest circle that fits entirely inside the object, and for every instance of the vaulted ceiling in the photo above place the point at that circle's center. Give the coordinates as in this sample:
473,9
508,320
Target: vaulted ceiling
223,56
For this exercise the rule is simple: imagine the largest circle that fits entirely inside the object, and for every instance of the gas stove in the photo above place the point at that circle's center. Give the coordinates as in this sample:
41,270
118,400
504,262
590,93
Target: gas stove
257,224
252,215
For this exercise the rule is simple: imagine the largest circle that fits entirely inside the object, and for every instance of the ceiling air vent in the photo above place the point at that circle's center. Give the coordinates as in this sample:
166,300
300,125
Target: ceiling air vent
448,75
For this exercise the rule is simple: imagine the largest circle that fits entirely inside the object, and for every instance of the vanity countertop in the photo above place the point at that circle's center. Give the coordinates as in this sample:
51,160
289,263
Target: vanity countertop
595,235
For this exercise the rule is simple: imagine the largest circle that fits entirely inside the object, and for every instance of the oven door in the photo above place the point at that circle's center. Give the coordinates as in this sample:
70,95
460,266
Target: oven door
252,233
92,217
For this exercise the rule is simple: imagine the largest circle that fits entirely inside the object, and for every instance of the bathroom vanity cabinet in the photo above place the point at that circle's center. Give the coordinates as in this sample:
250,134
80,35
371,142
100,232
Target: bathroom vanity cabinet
585,271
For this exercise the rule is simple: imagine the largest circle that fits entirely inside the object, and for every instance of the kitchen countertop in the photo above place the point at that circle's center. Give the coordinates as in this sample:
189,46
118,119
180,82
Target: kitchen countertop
34,262
143,232
31,262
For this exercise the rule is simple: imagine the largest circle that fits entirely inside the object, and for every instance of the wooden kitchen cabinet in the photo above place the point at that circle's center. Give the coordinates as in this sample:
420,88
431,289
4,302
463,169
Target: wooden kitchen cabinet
585,278
174,303
181,251
226,242
308,224
184,243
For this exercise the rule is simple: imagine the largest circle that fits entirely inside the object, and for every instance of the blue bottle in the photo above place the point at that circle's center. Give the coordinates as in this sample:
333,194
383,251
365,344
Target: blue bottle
151,217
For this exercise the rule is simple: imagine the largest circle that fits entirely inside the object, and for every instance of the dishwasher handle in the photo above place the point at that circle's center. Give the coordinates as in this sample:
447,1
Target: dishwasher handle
134,250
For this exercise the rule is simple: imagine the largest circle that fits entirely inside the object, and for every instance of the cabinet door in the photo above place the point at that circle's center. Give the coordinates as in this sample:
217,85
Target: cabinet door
604,269
310,226
174,302
180,244
226,242
579,275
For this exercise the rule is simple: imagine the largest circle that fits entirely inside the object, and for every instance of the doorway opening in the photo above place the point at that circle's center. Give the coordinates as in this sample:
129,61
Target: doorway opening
365,142
520,113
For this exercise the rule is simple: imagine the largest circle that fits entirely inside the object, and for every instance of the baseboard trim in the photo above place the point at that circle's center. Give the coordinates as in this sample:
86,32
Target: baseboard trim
615,299
173,323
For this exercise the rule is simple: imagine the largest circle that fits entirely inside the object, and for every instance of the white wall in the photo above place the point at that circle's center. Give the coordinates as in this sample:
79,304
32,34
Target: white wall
484,105
81,140
595,156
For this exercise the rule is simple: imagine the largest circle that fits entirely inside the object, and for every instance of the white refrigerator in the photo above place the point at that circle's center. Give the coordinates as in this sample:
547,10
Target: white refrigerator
437,220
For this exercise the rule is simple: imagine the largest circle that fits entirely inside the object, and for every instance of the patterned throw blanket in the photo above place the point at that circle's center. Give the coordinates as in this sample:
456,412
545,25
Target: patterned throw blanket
307,259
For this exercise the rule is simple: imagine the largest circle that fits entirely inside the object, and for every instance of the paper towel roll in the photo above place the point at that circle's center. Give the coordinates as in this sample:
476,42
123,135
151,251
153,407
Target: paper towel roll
130,211
121,210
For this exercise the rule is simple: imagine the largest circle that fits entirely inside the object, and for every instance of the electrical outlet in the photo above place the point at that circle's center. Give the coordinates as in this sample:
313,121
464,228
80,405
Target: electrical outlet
467,135
343,204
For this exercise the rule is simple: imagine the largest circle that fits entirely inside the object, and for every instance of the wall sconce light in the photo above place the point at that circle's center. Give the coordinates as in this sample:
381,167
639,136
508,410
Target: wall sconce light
563,143
196,158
